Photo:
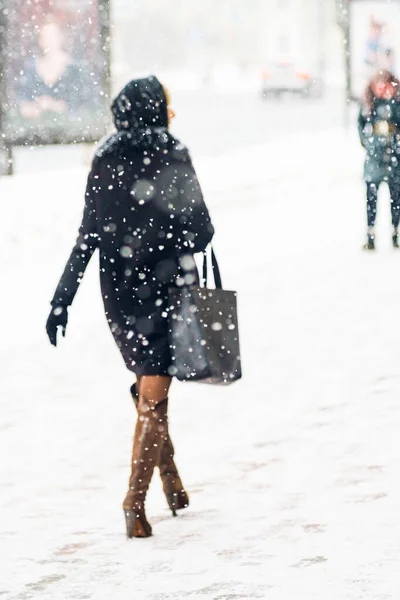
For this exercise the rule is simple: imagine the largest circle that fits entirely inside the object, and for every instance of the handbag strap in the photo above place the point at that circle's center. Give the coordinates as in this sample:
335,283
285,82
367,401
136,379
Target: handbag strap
215,268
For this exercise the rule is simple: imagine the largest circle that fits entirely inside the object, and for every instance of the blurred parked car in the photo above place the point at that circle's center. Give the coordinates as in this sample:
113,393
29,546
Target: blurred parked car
287,77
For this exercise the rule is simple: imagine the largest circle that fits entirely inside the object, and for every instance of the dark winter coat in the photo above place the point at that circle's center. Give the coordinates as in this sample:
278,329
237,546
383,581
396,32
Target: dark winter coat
145,212
379,132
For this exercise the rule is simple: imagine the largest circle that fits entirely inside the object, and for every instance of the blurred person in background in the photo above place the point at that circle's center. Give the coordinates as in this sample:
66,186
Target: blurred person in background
379,130
145,212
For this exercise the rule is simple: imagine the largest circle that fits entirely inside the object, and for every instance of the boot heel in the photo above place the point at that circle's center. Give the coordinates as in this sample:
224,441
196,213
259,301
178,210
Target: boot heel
171,499
177,501
136,524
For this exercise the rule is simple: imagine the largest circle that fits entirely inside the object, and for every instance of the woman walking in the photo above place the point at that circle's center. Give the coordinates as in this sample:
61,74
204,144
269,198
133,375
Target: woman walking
379,129
145,212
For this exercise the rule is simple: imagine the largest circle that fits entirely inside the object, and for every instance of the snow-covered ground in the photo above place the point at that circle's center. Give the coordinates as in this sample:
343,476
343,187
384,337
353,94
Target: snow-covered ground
292,472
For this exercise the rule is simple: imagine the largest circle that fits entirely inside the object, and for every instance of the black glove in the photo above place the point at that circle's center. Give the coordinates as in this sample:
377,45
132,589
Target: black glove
58,317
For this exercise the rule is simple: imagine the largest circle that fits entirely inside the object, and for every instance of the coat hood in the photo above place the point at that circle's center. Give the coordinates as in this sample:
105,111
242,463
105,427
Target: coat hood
140,114
140,104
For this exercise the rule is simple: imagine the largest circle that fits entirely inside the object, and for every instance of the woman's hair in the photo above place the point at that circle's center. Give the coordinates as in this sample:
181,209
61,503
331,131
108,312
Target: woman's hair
385,77
167,94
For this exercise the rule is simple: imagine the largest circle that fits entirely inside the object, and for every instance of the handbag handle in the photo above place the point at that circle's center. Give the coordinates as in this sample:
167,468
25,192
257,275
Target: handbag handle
215,269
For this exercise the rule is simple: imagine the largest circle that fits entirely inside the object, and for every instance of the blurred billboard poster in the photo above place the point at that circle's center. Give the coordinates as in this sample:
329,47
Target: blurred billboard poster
55,58
374,40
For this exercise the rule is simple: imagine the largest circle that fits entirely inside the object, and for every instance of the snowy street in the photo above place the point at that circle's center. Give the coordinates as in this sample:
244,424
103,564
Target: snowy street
292,472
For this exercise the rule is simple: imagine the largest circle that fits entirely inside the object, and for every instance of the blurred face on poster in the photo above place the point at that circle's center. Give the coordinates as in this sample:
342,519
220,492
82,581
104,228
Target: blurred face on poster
51,38
375,30
56,78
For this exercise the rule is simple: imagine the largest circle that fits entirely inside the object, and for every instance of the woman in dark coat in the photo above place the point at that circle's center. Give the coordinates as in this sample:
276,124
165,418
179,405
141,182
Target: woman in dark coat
379,129
145,212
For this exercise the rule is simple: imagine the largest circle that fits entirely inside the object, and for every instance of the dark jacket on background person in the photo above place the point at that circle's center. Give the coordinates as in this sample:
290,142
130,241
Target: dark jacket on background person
145,212
379,132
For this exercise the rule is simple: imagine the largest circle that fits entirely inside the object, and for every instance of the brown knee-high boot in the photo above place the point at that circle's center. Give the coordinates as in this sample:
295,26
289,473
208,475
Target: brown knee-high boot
150,434
177,497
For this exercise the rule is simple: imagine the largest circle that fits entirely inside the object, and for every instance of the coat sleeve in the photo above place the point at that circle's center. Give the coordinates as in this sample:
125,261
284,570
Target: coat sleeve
362,123
86,244
198,230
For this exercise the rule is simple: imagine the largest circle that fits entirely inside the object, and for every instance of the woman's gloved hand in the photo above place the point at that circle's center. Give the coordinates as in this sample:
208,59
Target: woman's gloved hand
58,317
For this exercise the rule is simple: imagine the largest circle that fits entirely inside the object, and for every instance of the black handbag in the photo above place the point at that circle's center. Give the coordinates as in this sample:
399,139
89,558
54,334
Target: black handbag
203,331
